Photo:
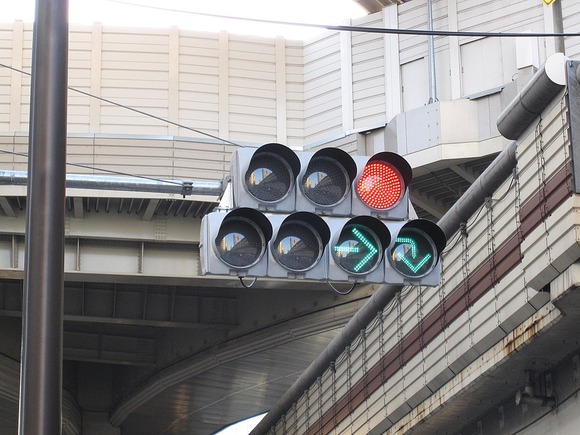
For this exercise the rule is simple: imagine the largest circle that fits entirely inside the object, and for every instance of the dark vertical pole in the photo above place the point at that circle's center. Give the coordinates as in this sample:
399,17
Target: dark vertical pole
42,310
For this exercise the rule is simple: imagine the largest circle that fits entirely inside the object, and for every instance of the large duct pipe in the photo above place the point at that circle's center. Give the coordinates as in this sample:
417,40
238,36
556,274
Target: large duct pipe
533,98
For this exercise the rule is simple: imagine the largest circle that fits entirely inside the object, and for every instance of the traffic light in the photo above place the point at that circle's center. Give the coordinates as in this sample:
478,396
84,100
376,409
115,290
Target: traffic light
415,253
235,243
265,179
298,247
323,216
381,186
358,249
325,182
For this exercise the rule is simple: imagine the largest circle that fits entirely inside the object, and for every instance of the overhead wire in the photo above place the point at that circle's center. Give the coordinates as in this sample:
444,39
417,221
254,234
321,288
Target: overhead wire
123,106
132,109
361,29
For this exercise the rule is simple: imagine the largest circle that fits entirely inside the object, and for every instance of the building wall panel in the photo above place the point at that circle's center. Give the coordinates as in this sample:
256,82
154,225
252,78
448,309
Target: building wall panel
571,10
368,74
493,15
294,53
322,89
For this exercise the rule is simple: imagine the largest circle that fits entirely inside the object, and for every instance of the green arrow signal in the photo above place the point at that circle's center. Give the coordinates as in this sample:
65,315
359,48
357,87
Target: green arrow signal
414,267
367,243
346,249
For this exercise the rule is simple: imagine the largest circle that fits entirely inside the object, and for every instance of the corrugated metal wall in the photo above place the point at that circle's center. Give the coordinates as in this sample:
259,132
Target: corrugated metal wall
570,11
322,88
368,75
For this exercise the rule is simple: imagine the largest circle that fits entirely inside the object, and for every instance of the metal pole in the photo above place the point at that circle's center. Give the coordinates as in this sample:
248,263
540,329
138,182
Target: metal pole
42,310
431,46
558,26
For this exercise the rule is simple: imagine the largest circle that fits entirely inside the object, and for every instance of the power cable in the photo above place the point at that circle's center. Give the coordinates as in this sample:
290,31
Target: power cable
94,168
361,29
141,112
132,109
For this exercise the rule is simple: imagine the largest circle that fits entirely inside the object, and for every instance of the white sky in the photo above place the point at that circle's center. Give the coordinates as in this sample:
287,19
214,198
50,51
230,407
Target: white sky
128,13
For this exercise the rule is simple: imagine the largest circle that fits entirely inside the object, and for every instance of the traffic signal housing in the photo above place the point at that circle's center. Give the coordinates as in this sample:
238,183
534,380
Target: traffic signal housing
324,216
235,243
381,186
358,247
298,246
265,178
324,183
414,257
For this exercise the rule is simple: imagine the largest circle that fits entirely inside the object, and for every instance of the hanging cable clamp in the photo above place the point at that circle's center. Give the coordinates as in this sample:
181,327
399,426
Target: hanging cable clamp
186,188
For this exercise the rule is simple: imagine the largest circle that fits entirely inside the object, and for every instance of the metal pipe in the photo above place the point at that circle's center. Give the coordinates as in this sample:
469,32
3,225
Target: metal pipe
40,405
136,184
542,88
431,46
484,186
558,22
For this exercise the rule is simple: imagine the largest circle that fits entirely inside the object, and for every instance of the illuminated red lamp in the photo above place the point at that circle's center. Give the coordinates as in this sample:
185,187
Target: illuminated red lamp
381,185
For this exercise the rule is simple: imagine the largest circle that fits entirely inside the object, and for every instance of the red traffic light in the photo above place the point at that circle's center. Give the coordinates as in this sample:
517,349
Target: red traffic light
380,186
383,181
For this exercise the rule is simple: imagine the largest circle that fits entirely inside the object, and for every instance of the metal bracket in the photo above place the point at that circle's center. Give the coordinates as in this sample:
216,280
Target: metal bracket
573,103
186,188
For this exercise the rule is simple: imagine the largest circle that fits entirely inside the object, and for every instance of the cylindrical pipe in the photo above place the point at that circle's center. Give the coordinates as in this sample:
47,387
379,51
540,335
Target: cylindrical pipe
134,184
40,409
431,45
558,22
542,88
495,174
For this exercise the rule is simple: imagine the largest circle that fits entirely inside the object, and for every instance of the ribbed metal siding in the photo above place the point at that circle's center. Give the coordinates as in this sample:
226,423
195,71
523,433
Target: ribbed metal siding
198,77
295,93
322,89
134,72
79,77
368,75
252,89
499,16
570,13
